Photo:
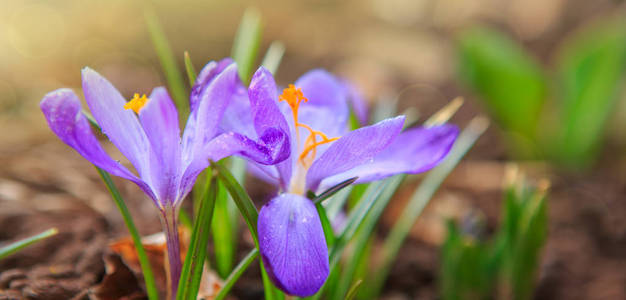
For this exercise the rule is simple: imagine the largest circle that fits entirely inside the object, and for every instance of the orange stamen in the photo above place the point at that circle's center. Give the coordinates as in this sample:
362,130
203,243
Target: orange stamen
294,96
137,103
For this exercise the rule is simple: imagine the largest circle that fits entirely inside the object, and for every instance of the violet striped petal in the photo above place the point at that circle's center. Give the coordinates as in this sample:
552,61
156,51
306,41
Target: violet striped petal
159,119
327,109
121,126
357,102
292,244
267,117
202,125
206,75
63,113
269,149
413,151
353,149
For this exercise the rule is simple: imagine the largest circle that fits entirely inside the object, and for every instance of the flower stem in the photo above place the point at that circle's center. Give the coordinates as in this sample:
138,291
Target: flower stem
170,227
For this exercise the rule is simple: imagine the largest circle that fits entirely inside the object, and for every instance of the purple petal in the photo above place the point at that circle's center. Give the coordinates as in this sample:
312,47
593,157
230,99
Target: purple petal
207,74
357,102
202,124
120,125
353,149
269,149
268,117
413,151
327,109
159,119
62,111
292,244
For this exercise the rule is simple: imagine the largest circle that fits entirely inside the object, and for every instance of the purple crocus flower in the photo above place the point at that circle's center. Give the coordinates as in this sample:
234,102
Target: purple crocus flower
323,153
146,131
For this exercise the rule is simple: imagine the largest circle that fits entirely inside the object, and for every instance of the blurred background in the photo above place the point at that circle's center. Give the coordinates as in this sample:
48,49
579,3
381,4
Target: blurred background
548,73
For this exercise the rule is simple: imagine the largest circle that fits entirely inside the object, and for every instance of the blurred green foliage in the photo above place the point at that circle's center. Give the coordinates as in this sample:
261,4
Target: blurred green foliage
561,116
505,266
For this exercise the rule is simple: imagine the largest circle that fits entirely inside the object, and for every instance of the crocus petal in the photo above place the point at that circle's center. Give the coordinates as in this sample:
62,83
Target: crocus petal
159,119
207,74
357,102
413,151
292,244
121,126
268,117
202,124
353,149
62,111
327,109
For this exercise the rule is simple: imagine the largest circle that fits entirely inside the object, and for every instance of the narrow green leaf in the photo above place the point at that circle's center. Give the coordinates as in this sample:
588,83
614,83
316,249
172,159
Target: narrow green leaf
363,235
194,261
333,190
354,289
236,273
505,76
168,63
334,205
421,197
328,228
240,197
273,56
191,71
247,43
224,234
590,67
21,244
148,276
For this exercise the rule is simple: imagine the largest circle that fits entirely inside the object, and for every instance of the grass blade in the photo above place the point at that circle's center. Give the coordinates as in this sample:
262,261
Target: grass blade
247,43
236,273
353,290
240,197
191,71
168,63
421,197
194,261
366,230
273,56
333,190
21,244
134,233
224,233
328,228
250,215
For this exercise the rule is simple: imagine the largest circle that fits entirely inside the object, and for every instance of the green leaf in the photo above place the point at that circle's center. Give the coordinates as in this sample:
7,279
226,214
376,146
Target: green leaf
21,244
191,71
236,273
168,63
194,261
241,198
250,215
328,228
366,230
247,42
422,196
354,289
590,66
333,190
505,76
224,234
530,238
146,269
273,56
